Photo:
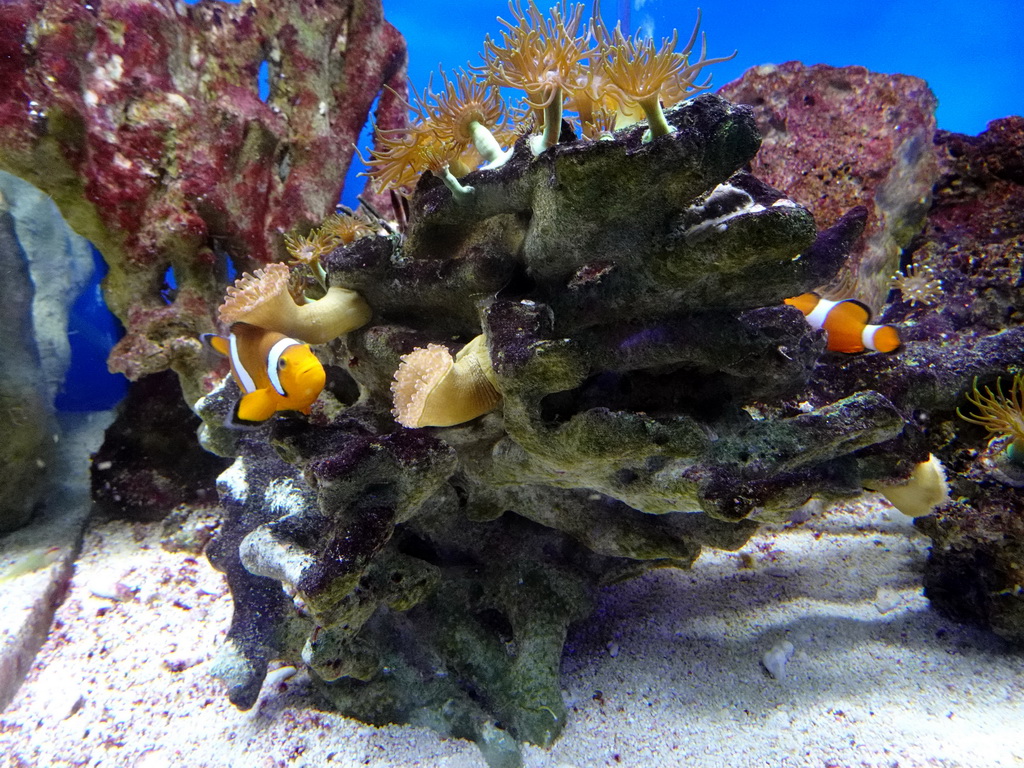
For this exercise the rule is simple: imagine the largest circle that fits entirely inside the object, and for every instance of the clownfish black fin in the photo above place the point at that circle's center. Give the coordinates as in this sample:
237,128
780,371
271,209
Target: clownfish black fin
216,343
233,421
861,305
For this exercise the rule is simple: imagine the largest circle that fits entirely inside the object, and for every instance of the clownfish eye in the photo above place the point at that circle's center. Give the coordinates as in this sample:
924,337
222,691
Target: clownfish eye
281,364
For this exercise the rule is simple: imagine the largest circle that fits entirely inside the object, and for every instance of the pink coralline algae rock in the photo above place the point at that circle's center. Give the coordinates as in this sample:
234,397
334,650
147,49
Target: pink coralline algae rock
974,239
143,120
836,137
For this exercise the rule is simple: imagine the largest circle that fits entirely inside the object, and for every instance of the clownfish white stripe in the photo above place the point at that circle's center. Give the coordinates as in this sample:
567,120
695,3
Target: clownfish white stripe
245,379
816,317
273,358
867,337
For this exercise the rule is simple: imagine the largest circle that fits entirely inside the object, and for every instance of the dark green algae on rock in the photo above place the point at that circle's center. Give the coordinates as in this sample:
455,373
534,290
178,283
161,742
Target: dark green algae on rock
650,378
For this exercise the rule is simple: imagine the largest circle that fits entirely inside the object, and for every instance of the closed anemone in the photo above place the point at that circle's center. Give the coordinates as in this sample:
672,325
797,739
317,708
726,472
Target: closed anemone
433,389
263,299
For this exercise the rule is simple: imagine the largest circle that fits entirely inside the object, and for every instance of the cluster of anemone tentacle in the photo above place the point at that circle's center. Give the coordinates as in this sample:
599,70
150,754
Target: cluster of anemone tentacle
918,285
1001,414
608,79
338,229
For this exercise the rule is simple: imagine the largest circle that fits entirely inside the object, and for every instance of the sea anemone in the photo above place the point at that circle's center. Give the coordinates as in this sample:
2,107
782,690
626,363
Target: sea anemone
262,299
438,159
1002,415
400,157
645,76
922,493
595,101
449,139
345,229
600,124
335,231
310,248
465,113
433,389
918,285
555,60
542,57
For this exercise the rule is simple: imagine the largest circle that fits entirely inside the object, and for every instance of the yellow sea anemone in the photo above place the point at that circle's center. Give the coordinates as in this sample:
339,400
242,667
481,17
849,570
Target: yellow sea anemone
262,299
543,57
918,285
335,231
345,229
646,76
433,389
309,249
602,123
451,132
594,100
1002,415
922,493
466,113
400,157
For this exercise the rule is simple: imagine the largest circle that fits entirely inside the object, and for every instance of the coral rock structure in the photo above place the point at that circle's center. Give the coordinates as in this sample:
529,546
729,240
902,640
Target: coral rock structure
142,473
25,409
835,137
629,296
143,120
953,203
974,243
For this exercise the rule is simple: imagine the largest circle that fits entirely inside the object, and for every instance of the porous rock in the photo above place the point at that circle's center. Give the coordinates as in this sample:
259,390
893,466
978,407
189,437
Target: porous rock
648,370
971,332
836,137
150,462
974,244
143,120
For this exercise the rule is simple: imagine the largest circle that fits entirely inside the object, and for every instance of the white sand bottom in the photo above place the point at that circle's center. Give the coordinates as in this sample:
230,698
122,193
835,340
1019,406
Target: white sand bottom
666,673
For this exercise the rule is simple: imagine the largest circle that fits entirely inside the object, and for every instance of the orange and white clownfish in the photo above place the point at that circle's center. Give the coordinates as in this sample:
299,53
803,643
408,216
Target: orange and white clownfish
274,372
846,324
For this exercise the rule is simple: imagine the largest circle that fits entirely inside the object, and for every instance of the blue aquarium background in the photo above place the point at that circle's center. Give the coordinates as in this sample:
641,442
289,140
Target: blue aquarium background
970,55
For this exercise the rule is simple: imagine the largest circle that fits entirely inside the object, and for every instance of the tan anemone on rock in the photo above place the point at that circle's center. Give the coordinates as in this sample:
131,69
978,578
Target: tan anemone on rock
433,389
922,493
262,299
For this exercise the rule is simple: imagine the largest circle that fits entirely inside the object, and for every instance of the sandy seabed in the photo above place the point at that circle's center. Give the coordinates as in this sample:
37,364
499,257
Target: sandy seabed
667,672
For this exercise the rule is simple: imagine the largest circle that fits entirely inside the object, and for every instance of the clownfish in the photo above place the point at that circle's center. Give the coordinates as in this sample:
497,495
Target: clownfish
274,372
846,324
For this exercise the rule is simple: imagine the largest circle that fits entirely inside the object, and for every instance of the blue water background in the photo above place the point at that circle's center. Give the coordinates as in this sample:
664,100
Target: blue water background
970,55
